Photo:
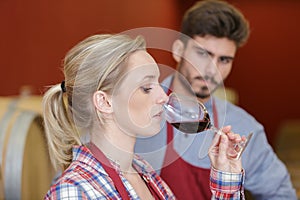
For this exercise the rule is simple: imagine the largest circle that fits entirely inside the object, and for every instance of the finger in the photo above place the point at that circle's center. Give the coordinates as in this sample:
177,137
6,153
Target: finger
216,140
223,146
226,129
244,138
233,137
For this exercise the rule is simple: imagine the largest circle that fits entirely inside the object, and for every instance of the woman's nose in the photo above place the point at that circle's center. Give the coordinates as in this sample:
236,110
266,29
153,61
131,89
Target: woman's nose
163,97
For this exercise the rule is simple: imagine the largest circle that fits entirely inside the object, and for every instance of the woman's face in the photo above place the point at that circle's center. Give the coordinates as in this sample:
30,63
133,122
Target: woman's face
138,100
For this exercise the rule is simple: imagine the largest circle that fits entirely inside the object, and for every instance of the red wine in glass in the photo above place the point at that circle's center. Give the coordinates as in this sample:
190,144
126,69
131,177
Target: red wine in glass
190,116
193,127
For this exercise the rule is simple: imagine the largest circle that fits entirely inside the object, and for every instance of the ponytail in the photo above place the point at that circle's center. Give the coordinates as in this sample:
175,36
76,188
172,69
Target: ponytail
60,131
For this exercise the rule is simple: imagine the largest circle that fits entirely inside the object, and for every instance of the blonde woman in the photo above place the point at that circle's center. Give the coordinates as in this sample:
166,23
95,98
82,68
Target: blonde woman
110,93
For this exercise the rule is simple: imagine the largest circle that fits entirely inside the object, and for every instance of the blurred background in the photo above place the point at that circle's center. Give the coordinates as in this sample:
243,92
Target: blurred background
35,36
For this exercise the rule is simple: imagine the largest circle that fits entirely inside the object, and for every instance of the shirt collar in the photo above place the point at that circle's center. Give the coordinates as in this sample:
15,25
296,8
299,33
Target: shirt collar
84,155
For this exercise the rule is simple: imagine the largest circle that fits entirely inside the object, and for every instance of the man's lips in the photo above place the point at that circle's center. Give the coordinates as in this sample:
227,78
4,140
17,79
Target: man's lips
206,80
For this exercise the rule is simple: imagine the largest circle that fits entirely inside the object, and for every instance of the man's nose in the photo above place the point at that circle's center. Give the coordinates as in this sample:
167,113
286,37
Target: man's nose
211,68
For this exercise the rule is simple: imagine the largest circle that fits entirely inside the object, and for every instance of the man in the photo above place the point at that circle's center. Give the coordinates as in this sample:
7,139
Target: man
212,31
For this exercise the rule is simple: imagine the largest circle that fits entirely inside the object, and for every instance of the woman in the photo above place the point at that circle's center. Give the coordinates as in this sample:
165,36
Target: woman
112,96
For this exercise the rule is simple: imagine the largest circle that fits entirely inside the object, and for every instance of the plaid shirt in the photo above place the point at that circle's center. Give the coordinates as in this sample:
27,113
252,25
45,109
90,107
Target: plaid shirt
85,178
226,185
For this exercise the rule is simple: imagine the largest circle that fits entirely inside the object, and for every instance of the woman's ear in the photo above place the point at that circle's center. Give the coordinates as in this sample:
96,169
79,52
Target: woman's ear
177,50
102,102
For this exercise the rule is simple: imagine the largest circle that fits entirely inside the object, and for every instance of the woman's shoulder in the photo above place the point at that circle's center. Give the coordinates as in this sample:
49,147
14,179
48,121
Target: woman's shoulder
80,179
83,168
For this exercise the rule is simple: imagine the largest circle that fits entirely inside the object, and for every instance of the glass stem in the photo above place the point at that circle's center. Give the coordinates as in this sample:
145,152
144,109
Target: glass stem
239,147
216,130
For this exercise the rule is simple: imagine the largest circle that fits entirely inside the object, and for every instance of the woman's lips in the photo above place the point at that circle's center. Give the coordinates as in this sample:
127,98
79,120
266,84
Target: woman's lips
159,114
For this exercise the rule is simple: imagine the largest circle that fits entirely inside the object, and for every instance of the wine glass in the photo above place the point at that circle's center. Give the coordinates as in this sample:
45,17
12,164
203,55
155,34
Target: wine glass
190,116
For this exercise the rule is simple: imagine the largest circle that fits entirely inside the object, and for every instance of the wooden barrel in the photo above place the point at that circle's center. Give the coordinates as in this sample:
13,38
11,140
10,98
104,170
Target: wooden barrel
26,169
32,103
1,186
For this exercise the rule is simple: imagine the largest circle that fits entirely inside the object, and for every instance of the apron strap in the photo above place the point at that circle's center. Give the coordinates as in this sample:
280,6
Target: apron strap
110,170
116,178
215,113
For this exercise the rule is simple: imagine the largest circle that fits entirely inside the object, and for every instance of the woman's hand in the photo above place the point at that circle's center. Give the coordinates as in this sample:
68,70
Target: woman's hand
223,151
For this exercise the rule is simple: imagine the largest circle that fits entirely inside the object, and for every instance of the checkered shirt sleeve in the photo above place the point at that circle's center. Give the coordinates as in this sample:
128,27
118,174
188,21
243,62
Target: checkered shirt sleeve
226,185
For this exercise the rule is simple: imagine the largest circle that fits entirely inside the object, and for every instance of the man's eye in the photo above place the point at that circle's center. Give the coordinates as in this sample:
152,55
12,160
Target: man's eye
225,60
202,53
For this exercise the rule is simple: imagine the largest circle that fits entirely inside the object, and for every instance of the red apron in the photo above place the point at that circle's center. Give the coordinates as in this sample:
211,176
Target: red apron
185,180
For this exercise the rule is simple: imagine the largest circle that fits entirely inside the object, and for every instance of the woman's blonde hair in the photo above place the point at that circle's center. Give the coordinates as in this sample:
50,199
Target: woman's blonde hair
93,64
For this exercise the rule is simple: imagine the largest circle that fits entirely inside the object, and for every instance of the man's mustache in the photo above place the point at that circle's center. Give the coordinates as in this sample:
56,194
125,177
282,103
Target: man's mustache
207,78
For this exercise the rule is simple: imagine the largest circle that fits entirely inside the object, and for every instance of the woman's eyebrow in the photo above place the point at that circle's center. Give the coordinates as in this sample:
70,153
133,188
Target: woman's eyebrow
149,77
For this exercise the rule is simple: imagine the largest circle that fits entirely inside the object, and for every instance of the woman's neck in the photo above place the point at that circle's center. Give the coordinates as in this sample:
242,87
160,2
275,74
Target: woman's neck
116,146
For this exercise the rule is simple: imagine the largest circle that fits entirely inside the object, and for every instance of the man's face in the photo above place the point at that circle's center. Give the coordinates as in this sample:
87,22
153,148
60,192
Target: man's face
206,62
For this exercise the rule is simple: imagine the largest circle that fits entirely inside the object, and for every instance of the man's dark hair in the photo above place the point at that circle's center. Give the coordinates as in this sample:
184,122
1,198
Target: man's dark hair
216,18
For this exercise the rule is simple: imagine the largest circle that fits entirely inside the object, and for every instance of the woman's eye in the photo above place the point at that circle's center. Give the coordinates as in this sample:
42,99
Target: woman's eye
146,89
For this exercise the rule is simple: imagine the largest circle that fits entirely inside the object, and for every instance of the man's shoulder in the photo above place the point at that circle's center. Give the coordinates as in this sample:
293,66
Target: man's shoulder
236,115
231,108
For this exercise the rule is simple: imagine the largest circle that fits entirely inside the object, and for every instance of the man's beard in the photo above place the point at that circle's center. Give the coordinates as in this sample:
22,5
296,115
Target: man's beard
202,95
188,83
205,88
